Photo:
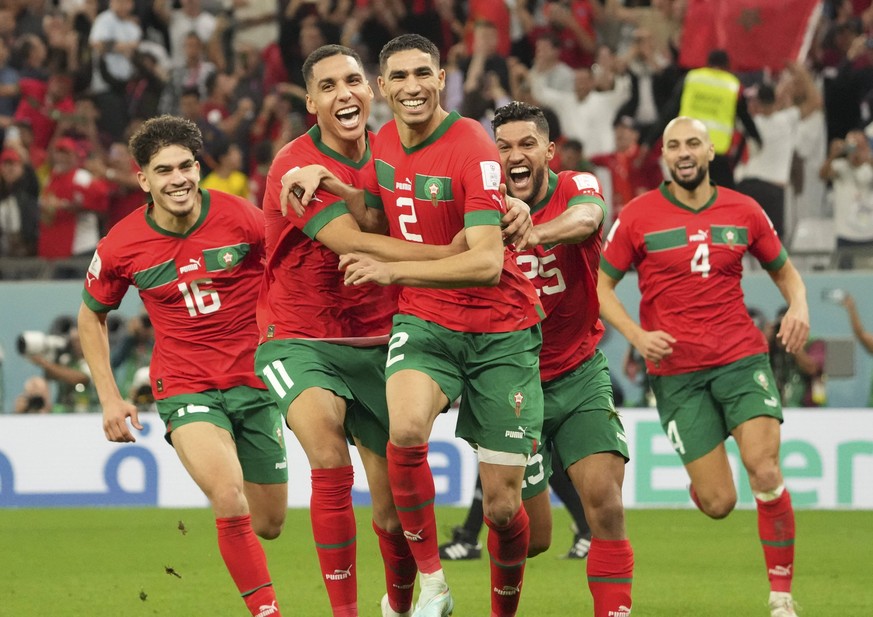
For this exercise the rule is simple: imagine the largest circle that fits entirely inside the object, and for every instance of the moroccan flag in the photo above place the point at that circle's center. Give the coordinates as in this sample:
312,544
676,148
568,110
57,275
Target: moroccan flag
757,34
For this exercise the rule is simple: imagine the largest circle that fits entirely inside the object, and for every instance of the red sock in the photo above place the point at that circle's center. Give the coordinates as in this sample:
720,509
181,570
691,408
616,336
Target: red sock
610,575
414,492
508,549
776,530
245,560
333,528
400,568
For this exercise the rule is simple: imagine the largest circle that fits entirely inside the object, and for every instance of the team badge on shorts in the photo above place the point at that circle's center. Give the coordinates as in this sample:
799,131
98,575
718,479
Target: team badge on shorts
761,380
518,401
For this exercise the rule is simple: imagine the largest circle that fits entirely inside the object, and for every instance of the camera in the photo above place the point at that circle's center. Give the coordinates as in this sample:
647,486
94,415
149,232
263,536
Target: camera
834,296
36,343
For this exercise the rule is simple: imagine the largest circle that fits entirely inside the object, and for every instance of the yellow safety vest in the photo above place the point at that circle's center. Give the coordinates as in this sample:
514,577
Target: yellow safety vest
710,95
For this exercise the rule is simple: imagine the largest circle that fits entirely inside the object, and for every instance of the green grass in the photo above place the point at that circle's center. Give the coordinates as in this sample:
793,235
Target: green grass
95,563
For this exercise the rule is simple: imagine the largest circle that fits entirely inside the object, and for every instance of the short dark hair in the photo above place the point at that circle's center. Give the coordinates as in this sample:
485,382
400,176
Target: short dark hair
517,111
163,131
766,94
327,51
718,58
405,42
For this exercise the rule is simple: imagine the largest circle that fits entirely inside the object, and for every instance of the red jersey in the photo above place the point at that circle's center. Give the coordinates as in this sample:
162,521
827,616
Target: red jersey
690,270
303,294
431,192
565,276
199,290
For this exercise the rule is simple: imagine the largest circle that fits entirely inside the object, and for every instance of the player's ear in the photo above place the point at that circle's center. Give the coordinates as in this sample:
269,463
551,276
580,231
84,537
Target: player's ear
442,77
381,83
550,151
143,181
310,104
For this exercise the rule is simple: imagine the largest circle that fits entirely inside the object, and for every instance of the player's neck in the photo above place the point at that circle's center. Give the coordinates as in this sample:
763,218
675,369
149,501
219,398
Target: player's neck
352,149
411,136
695,198
177,224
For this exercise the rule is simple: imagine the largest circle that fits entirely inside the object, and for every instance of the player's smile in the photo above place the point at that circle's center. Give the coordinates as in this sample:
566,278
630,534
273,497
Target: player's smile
172,176
411,83
524,156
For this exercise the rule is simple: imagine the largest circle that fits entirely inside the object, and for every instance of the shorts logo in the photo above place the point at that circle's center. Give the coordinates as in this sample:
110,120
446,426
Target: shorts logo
519,434
762,380
434,187
282,465
228,258
518,400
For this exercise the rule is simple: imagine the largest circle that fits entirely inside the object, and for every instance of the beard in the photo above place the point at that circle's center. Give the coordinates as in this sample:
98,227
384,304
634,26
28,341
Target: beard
694,182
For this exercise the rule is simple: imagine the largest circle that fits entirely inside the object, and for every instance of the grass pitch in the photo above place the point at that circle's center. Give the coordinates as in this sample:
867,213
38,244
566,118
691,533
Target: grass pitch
111,562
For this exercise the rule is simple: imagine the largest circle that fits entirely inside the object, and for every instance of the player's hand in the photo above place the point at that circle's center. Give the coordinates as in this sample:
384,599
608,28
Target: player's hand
516,224
115,421
794,329
655,345
360,269
298,187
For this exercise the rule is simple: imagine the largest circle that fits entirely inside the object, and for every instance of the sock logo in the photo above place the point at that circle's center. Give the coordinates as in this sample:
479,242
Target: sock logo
407,586
621,611
267,609
508,590
413,536
780,570
340,575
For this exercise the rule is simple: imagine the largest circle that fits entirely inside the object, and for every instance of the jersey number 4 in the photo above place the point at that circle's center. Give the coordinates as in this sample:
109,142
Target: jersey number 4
700,261
199,301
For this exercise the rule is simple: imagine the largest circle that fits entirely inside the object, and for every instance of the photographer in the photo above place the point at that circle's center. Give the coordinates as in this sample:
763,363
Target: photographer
849,168
800,375
864,337
130,354
59,354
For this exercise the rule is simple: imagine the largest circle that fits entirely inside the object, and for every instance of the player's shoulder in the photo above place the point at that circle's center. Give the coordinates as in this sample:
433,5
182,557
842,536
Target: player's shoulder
131,226
295,149
642,205
729,198
579,181
226,205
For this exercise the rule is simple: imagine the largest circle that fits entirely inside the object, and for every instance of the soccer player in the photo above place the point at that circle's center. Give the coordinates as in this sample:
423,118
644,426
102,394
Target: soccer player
580,422
323,344
707,361
467,324
195,257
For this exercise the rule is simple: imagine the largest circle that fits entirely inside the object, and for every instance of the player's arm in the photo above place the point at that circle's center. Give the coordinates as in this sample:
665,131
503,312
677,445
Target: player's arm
94,337
478,266
794,331
299,186
653,345
342,235
576,224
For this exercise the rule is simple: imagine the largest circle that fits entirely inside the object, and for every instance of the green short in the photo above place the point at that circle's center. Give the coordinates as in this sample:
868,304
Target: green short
698,410
356,374
495,374
248,415
580,420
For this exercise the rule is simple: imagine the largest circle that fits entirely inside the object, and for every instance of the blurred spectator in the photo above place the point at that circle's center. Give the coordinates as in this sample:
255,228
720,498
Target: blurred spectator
863,336
653,77
43,104
713,95
571,21
571,155
30,54
799,376
59,354
547,67
62,42
191,108
849,168
767,172
118,171
256,24
8,89
492,11
189,18
191,73
661,18
629,178
588,114
145,91
115,36
19,208
228,174
131,353
70,205
849,84
634,368
372,24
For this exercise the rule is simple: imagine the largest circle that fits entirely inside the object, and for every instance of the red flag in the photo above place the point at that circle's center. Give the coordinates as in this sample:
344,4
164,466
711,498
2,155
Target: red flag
756,34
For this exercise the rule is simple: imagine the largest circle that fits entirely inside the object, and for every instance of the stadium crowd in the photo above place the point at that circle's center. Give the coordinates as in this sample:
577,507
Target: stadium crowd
77,77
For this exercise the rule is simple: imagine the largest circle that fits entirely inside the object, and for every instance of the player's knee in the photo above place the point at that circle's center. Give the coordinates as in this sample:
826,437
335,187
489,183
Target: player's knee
268,530
719,506
500,510
407,435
